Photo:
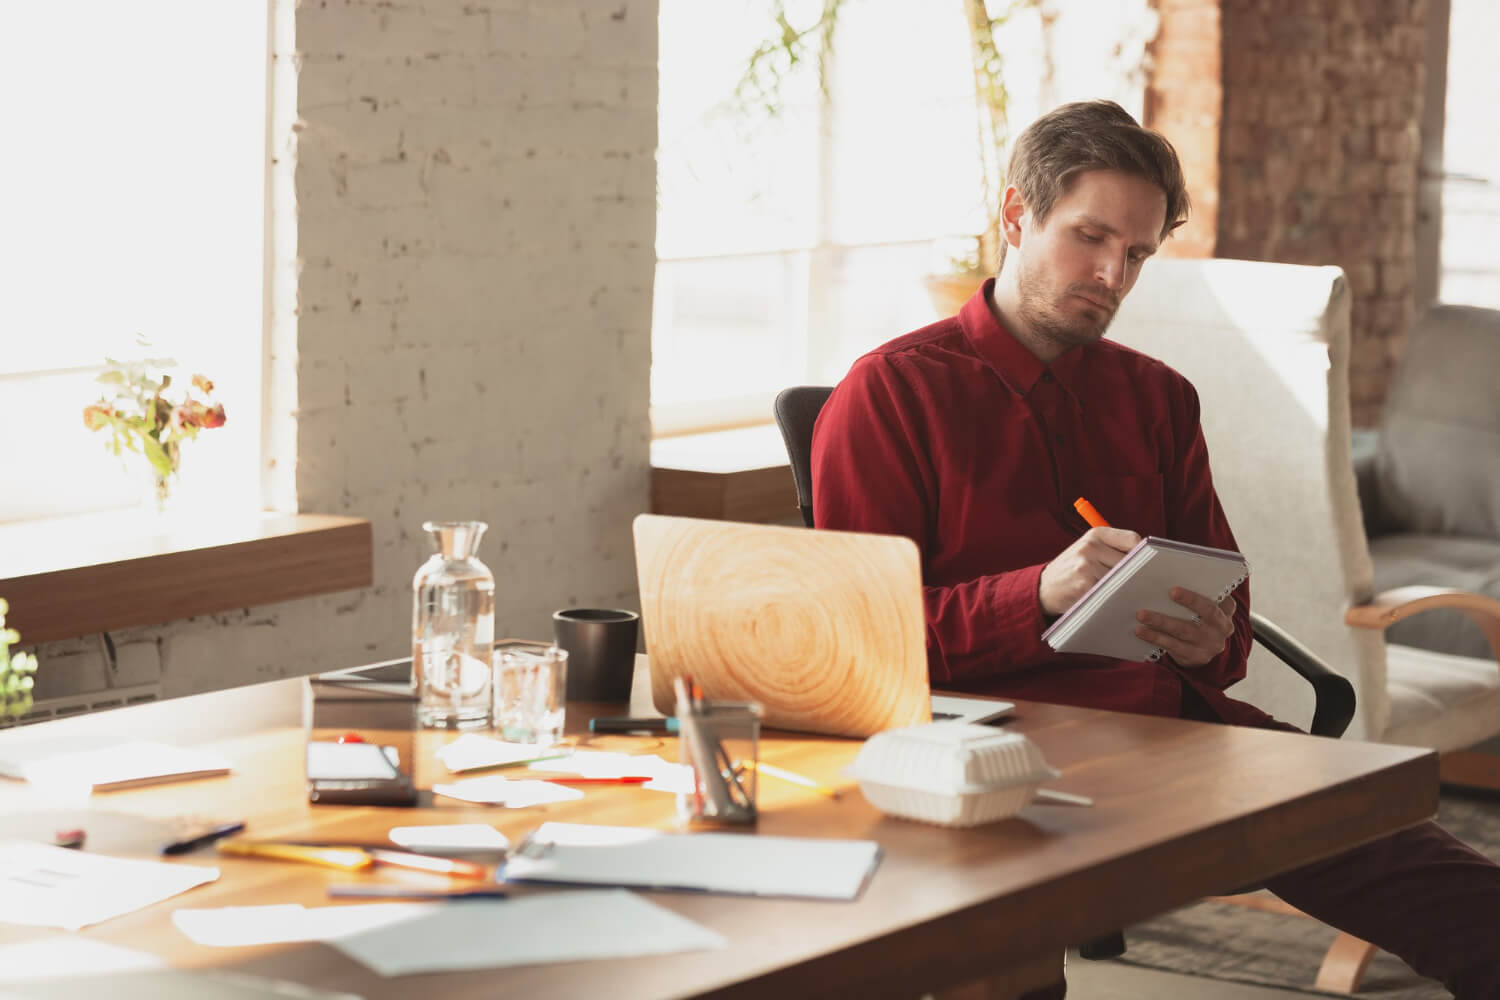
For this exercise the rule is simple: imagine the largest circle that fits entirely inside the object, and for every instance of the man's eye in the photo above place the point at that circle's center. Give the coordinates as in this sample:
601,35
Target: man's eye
1088,237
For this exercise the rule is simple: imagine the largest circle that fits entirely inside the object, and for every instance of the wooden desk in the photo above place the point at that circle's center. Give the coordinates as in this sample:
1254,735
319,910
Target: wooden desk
1183,810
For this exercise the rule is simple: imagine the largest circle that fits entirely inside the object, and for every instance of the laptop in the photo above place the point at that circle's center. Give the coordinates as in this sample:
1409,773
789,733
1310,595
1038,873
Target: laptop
824,628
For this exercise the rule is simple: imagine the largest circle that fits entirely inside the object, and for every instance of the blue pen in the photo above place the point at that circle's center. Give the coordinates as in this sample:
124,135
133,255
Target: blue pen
363,890
620,724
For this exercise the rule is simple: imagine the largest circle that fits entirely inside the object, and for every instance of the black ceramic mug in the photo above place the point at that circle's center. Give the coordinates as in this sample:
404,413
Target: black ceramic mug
601,651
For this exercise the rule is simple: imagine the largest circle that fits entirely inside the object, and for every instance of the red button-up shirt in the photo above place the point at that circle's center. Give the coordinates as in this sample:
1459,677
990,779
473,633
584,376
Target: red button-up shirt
958,438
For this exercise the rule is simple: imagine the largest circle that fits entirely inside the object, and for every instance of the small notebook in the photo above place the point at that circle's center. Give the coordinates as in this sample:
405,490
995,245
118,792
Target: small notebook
124,765
1103,622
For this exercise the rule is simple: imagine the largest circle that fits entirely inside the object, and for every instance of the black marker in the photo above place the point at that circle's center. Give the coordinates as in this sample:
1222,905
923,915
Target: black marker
203,839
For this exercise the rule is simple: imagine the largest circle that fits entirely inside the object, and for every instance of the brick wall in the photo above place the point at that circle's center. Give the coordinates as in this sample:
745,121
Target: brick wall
469,337
1319,137
1183,101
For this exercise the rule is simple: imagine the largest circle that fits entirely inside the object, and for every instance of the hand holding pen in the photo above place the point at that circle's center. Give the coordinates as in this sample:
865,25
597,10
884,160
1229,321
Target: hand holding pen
1079,566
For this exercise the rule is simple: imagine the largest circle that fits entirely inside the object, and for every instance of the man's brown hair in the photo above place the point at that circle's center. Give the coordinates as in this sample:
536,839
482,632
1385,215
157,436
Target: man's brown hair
1092,135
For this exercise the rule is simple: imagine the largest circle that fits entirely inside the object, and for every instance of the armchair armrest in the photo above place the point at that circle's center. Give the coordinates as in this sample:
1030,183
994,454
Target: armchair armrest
1333,695
1402,602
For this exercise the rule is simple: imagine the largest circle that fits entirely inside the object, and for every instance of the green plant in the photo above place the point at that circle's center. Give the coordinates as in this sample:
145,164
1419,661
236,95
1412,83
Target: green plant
790,46
142,418
15,673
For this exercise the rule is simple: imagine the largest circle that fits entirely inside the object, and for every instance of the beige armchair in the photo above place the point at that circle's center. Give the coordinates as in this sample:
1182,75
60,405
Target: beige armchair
1267,346
1430,488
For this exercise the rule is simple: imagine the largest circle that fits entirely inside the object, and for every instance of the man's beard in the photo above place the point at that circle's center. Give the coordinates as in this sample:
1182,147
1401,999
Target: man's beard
1045,319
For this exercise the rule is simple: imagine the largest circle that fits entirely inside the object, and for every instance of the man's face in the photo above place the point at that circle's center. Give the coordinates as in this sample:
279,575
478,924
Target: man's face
1076,267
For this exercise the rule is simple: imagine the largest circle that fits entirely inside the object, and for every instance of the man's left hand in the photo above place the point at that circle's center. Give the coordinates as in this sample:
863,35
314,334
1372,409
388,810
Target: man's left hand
1190,643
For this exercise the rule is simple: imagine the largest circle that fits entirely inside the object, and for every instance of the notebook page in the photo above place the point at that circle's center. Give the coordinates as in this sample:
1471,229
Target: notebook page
1103,621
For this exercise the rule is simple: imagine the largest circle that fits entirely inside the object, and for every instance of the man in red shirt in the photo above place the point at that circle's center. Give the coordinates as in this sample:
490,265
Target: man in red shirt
974,435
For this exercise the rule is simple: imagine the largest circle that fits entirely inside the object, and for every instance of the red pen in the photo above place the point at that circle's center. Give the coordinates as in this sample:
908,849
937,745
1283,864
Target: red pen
624,779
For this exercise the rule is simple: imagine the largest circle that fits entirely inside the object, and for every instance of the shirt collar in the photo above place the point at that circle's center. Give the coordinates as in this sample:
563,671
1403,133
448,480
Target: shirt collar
1016,366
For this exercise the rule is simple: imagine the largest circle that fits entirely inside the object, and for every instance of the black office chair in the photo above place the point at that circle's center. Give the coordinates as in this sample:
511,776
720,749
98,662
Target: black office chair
797,408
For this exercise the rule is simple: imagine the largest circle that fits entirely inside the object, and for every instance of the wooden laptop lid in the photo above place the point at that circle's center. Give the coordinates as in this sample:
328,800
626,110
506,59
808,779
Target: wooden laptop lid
823,628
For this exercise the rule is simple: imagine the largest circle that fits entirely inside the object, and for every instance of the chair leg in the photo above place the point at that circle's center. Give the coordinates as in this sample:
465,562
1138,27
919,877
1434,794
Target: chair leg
1345,963
1107,946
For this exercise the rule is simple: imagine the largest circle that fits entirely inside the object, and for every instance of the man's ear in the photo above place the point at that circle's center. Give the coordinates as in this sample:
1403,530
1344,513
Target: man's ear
1012,212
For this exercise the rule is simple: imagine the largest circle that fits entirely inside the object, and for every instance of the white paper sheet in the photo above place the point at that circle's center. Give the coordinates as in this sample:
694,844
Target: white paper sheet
241,926
665,775
46,886
733,863
472,751
450,837
556,927
496,789
70,955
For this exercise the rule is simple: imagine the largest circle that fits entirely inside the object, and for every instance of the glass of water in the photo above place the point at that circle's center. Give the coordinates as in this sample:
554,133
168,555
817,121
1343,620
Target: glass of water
530,693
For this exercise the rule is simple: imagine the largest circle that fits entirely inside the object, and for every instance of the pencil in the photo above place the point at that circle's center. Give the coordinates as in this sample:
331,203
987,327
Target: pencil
1090,515
791,776
351,859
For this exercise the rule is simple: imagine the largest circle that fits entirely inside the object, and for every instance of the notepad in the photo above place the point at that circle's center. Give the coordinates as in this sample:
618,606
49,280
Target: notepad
1103,621
732,863
125,765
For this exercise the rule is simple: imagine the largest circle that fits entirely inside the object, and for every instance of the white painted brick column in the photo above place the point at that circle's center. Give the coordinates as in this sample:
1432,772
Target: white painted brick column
470,336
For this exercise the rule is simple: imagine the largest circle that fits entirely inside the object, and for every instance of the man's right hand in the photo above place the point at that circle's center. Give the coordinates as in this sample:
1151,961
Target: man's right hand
1079,566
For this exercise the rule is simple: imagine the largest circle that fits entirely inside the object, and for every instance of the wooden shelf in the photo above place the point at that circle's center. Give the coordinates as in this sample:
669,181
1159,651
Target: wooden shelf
733,475
67,577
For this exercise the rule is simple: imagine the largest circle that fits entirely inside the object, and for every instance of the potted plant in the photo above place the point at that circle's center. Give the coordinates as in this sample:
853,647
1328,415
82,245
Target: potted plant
144,417
15,674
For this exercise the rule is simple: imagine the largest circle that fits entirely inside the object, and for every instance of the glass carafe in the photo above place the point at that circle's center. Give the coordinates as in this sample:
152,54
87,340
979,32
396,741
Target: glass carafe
453,629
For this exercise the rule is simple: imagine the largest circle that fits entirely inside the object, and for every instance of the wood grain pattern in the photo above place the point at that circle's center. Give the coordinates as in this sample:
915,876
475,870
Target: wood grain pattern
1182,809
62,581
824,628
1387,608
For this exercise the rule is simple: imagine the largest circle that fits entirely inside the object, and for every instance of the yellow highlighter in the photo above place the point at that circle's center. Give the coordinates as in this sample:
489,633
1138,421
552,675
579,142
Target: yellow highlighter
349,859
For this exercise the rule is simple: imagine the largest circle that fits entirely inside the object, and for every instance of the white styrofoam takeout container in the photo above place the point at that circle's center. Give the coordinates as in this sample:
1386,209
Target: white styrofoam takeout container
950,773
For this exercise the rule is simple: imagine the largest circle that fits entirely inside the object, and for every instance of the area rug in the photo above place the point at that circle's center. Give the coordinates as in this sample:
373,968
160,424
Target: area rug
1218,941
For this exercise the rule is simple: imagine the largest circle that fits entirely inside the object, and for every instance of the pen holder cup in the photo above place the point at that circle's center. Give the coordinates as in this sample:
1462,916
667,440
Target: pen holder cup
720,742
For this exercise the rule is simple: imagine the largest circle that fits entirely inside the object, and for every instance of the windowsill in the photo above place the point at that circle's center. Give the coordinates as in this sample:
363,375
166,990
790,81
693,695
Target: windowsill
733,475
73,576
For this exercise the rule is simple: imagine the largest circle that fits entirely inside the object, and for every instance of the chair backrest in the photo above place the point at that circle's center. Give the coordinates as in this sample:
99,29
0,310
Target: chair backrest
796,410
1267,347
1437,468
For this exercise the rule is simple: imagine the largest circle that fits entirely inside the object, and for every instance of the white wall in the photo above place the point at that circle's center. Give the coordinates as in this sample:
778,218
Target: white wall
470,334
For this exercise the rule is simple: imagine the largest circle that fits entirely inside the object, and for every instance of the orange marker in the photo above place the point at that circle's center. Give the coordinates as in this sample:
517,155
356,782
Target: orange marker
1090,515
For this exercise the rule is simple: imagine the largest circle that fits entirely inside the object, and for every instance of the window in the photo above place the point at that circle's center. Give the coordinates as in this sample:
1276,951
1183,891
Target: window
1471,159
789,245
132,199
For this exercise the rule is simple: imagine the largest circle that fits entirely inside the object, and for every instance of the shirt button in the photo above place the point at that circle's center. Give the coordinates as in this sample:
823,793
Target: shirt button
1046,376
1058,438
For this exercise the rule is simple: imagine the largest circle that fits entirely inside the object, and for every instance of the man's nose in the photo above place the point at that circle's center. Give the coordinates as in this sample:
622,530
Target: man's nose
1110,271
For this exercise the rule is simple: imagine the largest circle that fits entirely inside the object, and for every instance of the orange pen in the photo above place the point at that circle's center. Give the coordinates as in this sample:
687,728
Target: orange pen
1090,515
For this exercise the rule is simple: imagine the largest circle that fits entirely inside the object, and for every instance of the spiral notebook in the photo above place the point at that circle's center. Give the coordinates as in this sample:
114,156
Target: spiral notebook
1102,621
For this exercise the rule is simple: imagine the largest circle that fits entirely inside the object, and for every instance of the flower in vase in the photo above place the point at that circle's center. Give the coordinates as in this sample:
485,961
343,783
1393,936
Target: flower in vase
144,416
